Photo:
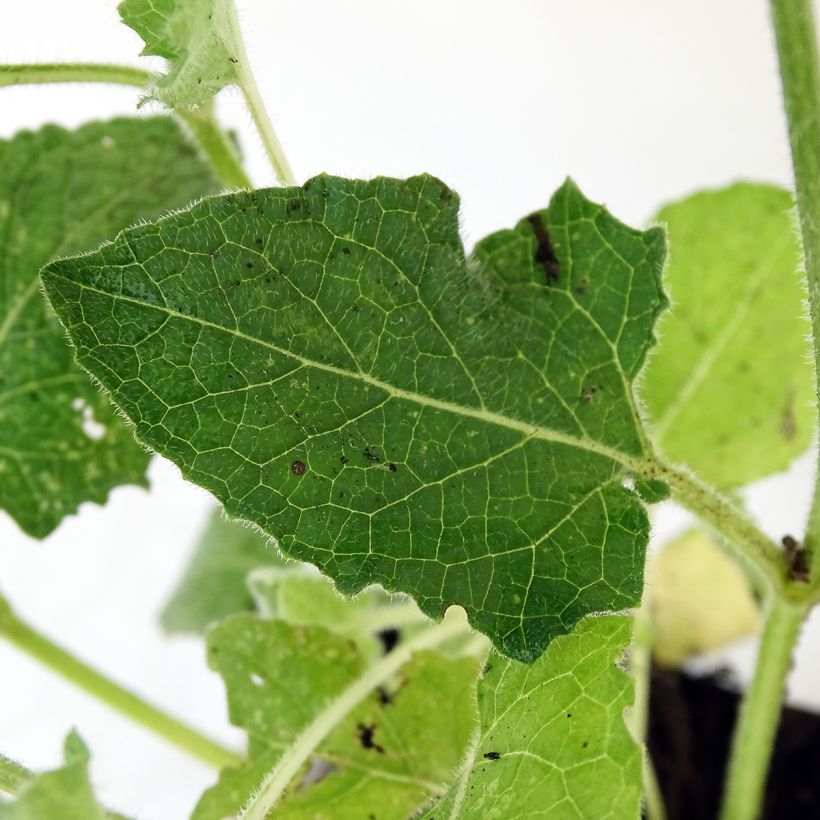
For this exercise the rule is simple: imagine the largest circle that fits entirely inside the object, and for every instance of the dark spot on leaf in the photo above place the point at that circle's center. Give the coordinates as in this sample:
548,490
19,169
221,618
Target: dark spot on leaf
544,253
346,251
366,734
258,240
392,467
295,204
370,455
389,638
298,468
385,698
492,755
343,459
588,393
248,264
569,714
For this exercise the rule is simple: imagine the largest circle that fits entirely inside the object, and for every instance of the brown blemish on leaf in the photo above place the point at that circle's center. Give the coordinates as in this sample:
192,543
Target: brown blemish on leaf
544,253
298,468
366,734
798,559
788,424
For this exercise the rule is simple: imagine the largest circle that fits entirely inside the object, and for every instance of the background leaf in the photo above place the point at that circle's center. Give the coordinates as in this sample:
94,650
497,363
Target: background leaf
215,582
699,598
65,793
200,40
60,192
553,742
390,754
326,361
729,388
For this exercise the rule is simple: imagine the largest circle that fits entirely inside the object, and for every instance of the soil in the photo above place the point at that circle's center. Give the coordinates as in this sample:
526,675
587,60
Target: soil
690,727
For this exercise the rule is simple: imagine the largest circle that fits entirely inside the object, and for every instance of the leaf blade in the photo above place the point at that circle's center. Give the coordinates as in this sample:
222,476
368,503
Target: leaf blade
61,191
384,398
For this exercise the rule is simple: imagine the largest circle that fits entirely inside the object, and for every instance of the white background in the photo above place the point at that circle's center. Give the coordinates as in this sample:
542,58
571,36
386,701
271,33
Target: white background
641,101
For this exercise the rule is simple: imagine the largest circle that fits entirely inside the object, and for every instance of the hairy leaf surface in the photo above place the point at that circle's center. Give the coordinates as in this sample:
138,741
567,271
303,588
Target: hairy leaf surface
327,362
553,742
64,793
391,753
215,582
61,191
200,40
730,386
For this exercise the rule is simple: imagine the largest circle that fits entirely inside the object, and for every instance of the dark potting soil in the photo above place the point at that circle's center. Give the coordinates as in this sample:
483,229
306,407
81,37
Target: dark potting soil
690,728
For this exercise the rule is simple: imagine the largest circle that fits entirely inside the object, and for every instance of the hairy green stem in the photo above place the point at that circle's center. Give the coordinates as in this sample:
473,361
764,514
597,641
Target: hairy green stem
202,124
800,75
57,659
72,73
13,775
760,711
753,548
257,109
292,760
640,667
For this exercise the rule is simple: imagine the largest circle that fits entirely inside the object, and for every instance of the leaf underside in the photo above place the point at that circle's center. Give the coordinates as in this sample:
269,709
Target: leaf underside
391,753
199,40
553,742
60,192
328,363
730,387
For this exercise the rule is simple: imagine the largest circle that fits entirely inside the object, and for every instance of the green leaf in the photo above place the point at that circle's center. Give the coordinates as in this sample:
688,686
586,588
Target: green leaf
327,362
62,191
299,595
199,39
214,585
65,793
700,599
393,751
730,386
553,742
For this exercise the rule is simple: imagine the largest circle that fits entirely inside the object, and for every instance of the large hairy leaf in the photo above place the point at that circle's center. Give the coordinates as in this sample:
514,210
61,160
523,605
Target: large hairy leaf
327,362
389,754
199,39
730,386
64,793
60,192
552,739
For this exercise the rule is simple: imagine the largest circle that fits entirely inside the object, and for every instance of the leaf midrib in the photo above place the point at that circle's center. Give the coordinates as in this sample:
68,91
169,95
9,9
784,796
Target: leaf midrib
632,463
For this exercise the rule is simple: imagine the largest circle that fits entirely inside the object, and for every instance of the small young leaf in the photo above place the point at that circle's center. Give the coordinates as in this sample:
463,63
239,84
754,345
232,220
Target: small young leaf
214,585
198,38
730,386
62,191
700,599
393,751
326,361
65,793
552,741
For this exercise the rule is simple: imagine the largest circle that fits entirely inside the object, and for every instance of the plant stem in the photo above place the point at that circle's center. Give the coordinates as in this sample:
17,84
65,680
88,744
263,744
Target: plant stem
760,711
292,759
217,146
752,546
256,107
76,672
72,73
202,124
797,51
640,666
13,775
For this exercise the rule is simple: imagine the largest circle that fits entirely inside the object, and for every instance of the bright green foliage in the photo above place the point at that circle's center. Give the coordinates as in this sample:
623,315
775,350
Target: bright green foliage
65,793
326,362
200,39
730,385
389,755
214,585
553,742
61,192
299,595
